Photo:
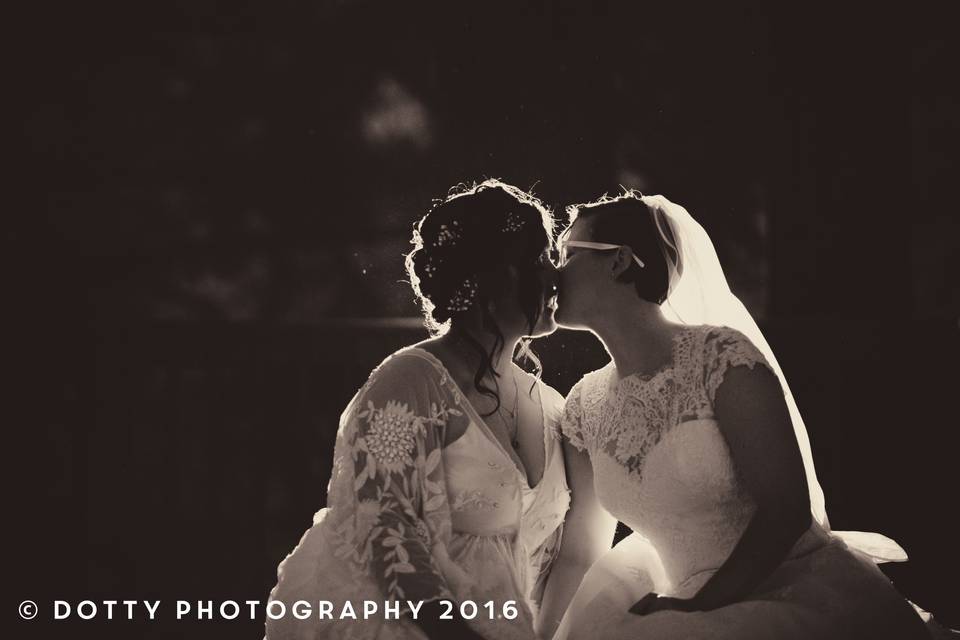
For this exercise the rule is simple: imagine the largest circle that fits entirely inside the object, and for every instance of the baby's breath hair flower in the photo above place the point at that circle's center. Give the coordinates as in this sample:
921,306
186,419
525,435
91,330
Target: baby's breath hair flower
448,234
514,223
463,297
430,266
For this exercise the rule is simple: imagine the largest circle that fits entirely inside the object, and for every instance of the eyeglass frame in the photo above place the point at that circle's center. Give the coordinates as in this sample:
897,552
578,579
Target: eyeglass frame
586,244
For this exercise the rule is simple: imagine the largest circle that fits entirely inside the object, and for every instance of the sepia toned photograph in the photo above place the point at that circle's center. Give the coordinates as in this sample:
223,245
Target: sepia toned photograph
501,321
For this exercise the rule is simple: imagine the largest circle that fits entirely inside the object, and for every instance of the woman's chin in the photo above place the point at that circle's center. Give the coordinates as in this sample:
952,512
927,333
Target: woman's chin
547,323
564,321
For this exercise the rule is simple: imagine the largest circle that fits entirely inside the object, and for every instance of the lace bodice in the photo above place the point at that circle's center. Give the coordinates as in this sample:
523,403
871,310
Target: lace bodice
627,418
660,462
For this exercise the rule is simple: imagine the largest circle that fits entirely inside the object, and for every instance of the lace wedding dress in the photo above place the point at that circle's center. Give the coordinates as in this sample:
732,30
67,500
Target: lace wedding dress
661,466
408,518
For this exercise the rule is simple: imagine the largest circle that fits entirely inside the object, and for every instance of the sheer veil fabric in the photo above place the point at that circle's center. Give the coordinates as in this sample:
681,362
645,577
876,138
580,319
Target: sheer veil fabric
699,294
660,465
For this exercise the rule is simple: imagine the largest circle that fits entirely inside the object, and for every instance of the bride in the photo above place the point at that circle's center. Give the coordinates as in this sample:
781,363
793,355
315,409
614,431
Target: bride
691,437
446,483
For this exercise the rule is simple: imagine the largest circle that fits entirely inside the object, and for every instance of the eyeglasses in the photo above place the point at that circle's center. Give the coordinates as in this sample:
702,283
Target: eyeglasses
564,244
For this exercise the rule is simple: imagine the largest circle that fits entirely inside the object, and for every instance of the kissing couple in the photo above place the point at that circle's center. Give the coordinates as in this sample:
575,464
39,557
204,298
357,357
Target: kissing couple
465,484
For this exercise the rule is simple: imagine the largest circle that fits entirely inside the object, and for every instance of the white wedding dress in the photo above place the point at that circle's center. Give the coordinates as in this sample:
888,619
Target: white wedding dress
408,518
661,466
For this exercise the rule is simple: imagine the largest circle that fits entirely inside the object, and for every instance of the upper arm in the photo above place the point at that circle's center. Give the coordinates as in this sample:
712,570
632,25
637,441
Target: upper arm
588,528
753,417
398,500
399,422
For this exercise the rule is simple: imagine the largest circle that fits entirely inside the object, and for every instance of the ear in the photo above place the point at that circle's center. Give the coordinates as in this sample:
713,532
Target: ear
622,260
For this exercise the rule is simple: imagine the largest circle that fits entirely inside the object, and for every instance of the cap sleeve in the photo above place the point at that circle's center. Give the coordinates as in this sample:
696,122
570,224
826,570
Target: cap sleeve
725,348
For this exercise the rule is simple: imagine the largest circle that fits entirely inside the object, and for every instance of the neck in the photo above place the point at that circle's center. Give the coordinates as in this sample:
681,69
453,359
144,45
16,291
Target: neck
502,360
636,335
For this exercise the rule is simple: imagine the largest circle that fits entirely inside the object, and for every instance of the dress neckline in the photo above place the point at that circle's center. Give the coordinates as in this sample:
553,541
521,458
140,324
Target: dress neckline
475,417
615,382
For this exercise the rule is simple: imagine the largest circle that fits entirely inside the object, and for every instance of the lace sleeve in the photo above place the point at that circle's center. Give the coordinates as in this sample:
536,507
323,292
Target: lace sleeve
401,520
571,422
726,348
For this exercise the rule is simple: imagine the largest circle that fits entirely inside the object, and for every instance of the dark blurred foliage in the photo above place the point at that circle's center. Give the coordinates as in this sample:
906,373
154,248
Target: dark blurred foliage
210,186
218,161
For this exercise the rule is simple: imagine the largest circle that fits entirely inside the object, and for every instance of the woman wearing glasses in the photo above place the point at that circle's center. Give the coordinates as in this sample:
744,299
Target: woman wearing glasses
691,437
447,484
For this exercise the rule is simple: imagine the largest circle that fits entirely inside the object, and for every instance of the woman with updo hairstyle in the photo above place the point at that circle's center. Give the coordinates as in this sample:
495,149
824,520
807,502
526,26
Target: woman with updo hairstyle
448,489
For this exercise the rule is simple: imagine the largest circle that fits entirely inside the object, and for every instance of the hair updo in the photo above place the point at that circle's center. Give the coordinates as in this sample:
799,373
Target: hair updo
462,251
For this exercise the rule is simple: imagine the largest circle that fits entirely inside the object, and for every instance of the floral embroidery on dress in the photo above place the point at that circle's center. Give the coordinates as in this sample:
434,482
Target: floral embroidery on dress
401,511
368,513
387,517
474,499
390,437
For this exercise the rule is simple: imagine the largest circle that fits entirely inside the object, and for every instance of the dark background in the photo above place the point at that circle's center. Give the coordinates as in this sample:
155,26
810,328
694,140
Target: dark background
208,261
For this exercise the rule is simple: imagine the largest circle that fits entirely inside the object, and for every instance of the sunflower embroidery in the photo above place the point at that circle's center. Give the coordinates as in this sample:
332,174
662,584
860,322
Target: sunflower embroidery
391,437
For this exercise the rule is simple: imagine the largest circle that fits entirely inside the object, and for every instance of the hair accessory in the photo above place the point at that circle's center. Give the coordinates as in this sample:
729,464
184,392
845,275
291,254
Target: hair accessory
448,235
514,223
463,296
429,266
